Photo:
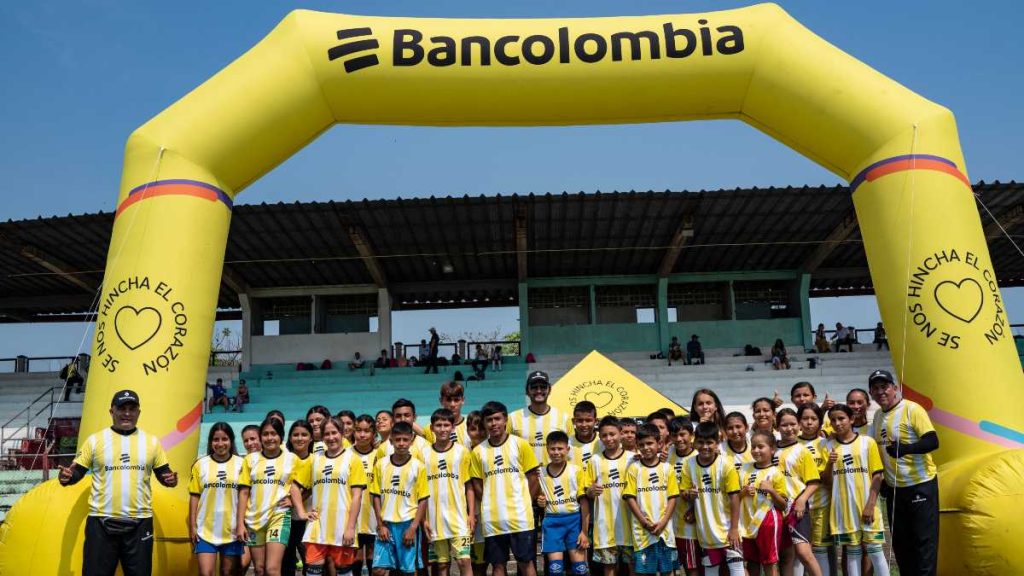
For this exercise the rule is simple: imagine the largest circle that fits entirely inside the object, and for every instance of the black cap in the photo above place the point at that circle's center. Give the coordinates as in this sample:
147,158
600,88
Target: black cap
538,376
881,375
124,397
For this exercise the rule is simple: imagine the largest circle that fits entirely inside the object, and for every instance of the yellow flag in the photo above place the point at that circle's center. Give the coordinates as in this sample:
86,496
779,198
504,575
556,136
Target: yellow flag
610,387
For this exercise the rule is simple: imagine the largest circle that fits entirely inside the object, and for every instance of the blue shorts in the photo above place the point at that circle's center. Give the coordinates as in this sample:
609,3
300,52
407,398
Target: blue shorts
230,549
657,557
395,555
560,532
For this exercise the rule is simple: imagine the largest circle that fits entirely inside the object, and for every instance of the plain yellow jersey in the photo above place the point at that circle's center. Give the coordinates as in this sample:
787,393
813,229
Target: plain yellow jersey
677,461
754,509
216,485
448,473
332,481
818,450
857,462
269,481
399,487
121,466
905,423
564,490
367,521
611,518
714,484
652,487
505,505
797,466
534,428
736,459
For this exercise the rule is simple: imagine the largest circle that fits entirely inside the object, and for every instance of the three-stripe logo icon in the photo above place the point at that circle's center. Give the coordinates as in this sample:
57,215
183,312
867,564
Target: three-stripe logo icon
395,481
848,459
559,491
328,469
652,477
125,458
613,474
499,460
222,475
355,44
442,465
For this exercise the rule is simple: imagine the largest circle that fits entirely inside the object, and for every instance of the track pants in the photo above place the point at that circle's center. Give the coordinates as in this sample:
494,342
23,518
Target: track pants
106,546
913,514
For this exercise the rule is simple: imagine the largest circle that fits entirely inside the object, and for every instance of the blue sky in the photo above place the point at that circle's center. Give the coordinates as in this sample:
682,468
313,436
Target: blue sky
80,76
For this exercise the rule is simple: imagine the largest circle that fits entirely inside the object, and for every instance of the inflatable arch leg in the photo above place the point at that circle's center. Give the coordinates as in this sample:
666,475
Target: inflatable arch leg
900,152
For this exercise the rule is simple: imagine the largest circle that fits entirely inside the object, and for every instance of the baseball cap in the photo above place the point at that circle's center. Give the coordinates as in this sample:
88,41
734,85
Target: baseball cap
537,376
880,375
124,397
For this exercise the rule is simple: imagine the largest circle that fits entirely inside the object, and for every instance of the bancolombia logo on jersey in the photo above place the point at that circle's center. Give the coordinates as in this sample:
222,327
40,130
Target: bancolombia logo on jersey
409,48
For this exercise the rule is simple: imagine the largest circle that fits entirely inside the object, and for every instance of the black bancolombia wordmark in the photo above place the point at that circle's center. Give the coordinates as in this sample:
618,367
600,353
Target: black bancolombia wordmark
342,50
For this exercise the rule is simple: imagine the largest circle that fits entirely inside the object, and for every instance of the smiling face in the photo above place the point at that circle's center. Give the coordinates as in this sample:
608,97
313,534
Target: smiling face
315,420
363,434
401,442
332,437
300,439
884,393
764,416
557,452
405,414
442,430
683,441
220,444
349,427
538,392
495,425
859,403
251,441
628,435
270,440
649,448
789,428
841,423
584,423
126,416
761,451
736,431
706,408
610,437
384,423
707,448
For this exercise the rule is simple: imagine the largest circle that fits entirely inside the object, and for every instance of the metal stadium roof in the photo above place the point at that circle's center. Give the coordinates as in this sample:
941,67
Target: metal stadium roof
445,252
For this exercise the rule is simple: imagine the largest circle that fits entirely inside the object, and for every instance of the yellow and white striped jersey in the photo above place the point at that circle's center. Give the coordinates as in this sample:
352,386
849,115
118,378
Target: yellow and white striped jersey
735,459
819,453
858,460
905,423
581,452
319,448
683,529
459,435
652,487
714,483
269,480
797,466
367,521
611,518
216,485
506,505
121,466
419,444
563,492
332,481
753,509
447,475
534,428
400,488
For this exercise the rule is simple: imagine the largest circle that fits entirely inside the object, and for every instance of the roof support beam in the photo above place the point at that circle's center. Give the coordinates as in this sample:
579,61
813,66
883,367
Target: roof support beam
683,234
1008,218
50,262
234,280
521,243
367,255
837,236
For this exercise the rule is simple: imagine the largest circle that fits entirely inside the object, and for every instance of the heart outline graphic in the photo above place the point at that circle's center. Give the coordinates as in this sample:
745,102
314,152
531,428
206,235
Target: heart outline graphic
959,286
594,394
137,312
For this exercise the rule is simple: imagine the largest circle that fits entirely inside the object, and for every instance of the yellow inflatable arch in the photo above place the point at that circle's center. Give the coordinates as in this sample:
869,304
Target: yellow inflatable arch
183,169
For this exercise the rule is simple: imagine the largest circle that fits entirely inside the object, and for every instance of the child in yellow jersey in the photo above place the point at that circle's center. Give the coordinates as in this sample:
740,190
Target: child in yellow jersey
606,478
566,509
660,421
451,509
348,420
583,444
803,480
213,503
316,416
300,443
803,393
859,401
763,412
475,432
810,416
628,434
712,484
651,493
363,434
453,397
268,491
736,448
251,443
854,469
763,495
337,481
400,494
680,429
404,410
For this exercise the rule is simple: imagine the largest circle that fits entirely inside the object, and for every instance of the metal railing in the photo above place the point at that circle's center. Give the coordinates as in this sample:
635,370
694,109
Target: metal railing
225,358
508,347
867,335
33,364
19,427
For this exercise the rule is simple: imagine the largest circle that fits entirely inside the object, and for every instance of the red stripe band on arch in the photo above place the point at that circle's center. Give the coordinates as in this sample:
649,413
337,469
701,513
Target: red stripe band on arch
908,162
192,188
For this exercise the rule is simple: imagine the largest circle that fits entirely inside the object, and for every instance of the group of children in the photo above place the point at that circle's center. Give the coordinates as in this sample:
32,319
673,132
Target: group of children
704,494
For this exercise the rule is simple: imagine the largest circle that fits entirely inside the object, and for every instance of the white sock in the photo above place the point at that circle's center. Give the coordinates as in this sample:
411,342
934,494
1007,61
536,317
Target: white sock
821,555
852,557
798,567
736,569
878,561
711,571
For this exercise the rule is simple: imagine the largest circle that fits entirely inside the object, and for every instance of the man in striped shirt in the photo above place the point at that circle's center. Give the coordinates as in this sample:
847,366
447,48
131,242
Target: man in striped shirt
121,459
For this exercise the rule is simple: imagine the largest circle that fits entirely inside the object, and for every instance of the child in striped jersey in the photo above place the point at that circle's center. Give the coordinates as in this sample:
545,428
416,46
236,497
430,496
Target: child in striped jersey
763,495
802,481
811,416
858,401
363,434
476,433
854,468
300,443
213,503
583,444
251,443
404,410
400,494
628,434
606,478
337,479
566,509
764,416
681,431
348,420
736,448
651,493
316,416
660,421
451,509
712,484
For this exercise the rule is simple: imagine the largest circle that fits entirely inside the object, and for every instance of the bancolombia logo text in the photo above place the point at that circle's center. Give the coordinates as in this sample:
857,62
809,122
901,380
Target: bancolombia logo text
410,49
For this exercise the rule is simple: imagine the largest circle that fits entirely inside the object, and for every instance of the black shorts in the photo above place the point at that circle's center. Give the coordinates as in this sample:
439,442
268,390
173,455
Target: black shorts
365,540
522,544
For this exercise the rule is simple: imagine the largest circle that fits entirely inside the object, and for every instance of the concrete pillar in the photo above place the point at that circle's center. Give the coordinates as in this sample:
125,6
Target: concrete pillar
592,298
730,301
524,320
662,315
247,329
804,293
383,320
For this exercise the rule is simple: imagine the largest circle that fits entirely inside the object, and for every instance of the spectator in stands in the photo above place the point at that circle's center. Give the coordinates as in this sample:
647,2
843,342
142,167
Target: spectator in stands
241,396
431,359
694,352
496,358
71,374
456,359
356,363
424,349
844,335
675,350
480,362
880,338
382,360
220,396
821,340
780,359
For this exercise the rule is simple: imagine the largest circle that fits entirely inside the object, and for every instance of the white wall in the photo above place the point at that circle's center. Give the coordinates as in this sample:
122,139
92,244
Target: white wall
314,348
